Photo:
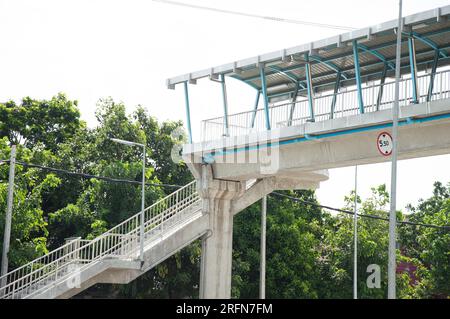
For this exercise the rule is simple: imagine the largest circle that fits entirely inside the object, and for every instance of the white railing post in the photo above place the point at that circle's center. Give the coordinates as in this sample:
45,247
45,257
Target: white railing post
101,246
116,241
71,250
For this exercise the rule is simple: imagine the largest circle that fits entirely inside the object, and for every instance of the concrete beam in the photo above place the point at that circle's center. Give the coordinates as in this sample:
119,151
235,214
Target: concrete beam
217,247
261,188
123,271
302,152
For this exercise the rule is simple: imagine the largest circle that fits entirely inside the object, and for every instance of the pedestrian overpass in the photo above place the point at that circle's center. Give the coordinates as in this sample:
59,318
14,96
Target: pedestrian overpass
318,106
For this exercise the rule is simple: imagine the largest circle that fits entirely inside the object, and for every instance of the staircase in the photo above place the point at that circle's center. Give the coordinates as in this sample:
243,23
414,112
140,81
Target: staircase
113,257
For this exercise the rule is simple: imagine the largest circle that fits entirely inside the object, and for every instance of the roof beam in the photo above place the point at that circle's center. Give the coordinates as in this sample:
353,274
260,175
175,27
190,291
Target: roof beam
330,64
289,75
367,65
424,39
352,78
230,67
380,46
245,81
377,54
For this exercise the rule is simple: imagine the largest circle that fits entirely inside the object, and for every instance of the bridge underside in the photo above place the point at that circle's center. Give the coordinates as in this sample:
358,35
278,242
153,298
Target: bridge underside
123,271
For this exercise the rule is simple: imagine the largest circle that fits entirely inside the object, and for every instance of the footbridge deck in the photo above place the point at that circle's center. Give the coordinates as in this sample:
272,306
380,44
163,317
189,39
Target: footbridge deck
323,104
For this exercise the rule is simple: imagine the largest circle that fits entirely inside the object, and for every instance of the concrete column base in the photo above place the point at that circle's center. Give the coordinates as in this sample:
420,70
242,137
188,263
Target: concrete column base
221,201
217,245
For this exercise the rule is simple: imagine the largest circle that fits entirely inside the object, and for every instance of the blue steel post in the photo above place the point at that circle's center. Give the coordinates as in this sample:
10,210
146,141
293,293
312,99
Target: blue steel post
336,91
428,42
258,94
358,77
264,93
433,73
225,104
413,68
188,112
380,91
309,87
442,53
294,99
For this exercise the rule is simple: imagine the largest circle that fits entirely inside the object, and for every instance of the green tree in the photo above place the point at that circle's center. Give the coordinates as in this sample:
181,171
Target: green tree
293,248
28,226
48,122
430,247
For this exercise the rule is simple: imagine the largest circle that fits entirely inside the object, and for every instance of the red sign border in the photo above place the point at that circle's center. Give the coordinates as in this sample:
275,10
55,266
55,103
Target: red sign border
378,146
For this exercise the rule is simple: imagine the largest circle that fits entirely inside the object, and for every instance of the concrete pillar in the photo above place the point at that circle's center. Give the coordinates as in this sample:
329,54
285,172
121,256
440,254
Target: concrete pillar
217,245
217,249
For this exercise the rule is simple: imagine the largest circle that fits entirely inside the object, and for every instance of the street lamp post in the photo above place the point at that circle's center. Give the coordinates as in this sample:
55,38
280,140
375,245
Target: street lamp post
355,238
141,236
392,264
262,274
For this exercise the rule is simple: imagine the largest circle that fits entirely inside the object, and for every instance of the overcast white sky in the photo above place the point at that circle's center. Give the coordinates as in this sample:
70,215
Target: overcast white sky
127,49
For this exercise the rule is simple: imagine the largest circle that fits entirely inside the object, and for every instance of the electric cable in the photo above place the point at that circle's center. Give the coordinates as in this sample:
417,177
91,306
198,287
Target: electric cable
117,180
251,15
90,176
445,227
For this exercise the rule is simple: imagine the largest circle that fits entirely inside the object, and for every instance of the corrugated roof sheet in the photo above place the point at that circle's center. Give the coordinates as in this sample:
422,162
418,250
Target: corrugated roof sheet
284,68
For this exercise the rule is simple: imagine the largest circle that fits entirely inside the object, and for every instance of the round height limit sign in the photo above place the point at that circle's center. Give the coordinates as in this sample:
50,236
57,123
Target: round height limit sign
384,143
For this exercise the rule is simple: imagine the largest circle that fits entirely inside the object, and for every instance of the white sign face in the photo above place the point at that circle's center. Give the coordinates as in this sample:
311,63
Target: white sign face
384,143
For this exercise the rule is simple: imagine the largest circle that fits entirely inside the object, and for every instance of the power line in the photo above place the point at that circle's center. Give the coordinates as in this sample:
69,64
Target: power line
90,176
117,180
361,215
251,15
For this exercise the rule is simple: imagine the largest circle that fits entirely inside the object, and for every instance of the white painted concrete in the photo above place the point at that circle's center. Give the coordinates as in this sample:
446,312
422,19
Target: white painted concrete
302,158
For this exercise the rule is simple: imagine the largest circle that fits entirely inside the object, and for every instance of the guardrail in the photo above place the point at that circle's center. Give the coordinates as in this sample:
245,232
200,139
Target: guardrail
121,241
346,104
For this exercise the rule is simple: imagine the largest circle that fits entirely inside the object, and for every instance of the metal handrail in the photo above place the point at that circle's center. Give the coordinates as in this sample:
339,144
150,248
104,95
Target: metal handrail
346,104
121,241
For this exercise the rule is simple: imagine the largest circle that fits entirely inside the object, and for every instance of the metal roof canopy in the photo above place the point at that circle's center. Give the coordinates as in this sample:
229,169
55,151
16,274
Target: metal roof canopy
332,57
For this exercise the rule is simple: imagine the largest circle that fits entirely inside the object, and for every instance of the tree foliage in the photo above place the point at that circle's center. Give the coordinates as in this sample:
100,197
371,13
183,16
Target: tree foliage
309,250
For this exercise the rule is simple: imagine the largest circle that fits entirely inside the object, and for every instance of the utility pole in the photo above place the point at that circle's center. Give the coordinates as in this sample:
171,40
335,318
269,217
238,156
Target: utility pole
7,234
142,228
392,263
355,237
262,278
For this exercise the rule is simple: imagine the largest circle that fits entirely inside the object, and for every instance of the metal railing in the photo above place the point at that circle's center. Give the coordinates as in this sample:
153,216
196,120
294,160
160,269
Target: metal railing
121,241
346,104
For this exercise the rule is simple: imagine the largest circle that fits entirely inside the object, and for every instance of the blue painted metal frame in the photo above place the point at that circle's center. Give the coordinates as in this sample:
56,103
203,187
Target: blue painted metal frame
245,81
188,112
368,74
309,87
374,48
265,96
330,64
377,54
358,76
294,99
433,73
381,89
343,70
336,91
305,138
413,69
287,74
428,42
258,94
225,104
